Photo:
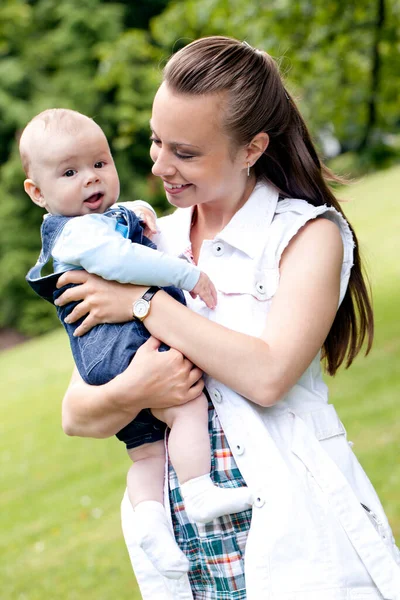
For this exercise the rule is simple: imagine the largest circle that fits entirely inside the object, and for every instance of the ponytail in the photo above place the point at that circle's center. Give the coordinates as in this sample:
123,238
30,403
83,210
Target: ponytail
291,163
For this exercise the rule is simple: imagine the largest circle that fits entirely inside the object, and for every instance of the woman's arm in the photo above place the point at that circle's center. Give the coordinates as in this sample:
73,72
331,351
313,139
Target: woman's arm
90,411
153,379
302,311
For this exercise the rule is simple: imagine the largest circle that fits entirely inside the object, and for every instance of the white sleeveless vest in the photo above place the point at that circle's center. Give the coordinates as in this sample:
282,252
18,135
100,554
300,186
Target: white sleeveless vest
311,538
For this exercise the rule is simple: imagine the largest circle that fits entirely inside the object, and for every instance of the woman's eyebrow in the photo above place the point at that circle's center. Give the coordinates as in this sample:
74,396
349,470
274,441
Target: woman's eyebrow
175,143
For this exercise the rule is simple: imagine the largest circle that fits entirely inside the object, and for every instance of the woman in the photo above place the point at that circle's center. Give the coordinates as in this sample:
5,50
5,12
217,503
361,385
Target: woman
235,155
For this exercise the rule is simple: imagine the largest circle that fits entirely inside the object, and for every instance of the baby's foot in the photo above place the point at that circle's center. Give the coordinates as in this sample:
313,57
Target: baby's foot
153,534
205,501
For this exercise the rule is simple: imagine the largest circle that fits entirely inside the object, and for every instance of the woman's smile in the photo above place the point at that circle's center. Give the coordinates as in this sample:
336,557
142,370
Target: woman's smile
175,188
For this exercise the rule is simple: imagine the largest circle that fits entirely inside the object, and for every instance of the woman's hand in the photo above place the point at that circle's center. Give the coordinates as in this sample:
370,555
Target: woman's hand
102,301
153,379
160,379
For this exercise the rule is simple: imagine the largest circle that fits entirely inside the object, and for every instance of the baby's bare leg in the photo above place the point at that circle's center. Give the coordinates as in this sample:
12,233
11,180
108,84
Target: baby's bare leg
188,442
146,475
152,529
190,452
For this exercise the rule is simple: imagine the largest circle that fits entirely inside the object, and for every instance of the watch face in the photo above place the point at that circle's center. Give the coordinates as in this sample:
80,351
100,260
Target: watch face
140,308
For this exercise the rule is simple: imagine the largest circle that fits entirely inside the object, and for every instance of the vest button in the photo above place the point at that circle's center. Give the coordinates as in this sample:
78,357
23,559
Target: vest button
218,248
239,449
260,287
259,501
216,395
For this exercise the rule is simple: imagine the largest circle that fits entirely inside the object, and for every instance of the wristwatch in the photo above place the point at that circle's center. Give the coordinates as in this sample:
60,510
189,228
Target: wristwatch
141,307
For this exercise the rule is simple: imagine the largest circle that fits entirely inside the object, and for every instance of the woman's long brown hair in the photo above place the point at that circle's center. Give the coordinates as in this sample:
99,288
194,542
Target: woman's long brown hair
258,101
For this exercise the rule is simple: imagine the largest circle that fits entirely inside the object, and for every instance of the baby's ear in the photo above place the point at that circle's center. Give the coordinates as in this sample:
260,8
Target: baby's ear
34,192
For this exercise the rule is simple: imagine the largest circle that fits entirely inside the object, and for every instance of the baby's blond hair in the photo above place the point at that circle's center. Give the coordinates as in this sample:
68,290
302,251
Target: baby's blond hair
61,119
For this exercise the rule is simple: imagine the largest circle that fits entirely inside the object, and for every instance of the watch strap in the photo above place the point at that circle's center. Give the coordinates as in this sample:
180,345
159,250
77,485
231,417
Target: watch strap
151,292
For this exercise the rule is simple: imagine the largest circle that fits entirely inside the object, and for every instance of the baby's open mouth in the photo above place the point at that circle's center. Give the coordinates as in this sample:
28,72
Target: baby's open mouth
94,199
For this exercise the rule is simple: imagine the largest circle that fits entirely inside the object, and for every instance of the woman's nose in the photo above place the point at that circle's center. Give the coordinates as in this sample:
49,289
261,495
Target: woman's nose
163,166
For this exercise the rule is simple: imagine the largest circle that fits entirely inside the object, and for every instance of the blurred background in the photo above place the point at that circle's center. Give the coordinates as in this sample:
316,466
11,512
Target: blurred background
59,503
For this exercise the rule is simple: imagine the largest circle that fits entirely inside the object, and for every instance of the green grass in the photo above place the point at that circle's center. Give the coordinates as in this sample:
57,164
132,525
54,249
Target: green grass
367,395
60,496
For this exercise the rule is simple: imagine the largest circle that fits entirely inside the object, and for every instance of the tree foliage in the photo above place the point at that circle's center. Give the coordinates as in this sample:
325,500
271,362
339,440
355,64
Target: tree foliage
341,57
75,54
103,58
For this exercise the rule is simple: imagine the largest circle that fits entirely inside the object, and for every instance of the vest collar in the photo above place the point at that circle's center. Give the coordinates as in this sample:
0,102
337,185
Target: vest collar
246,230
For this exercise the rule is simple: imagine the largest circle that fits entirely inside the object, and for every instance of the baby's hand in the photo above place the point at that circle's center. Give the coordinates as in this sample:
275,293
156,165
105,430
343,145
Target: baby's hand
206,290
148,218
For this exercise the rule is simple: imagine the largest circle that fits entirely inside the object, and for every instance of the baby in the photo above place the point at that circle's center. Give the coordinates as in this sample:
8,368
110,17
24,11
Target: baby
71,173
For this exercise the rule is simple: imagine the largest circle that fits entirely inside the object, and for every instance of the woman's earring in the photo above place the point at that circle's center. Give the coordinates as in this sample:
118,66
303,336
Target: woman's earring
248,169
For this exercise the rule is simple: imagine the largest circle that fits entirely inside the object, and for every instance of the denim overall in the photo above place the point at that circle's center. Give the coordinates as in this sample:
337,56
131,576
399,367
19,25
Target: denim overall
107,349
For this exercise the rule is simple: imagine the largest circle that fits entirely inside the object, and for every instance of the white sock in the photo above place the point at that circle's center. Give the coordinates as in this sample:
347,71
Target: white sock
154,536
205,501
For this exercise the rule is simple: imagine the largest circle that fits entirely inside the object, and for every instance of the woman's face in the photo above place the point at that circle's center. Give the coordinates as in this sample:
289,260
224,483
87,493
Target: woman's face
194,157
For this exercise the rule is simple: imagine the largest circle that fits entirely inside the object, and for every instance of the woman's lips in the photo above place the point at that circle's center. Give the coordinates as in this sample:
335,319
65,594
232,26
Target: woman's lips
94,201
175,189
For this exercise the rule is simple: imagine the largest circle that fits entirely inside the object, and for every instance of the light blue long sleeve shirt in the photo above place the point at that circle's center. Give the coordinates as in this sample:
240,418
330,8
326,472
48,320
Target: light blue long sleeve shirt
97,244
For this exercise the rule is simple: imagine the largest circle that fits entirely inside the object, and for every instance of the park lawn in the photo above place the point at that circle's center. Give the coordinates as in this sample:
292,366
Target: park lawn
59,503
367,395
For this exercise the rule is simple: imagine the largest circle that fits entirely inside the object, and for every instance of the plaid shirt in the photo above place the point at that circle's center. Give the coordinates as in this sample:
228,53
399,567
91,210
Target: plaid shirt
215,549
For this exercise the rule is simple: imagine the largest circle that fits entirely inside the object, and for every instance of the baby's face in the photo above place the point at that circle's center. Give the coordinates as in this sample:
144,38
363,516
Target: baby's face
75,172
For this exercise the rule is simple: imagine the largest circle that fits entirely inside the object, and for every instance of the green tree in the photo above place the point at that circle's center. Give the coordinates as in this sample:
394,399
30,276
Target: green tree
138,13
340,58
64,54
